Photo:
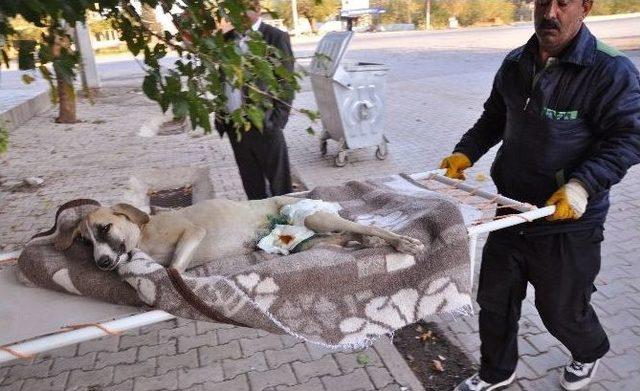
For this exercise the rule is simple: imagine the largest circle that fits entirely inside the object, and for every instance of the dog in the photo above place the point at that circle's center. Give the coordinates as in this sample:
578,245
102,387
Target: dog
210,229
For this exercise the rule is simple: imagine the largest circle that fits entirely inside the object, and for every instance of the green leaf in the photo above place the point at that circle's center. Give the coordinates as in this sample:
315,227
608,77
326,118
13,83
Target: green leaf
180,107
4,138
150,87
28,79
362,359
311,114
256,116
311,131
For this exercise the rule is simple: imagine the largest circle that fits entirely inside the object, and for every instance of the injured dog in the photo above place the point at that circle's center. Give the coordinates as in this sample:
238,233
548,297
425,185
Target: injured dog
211,229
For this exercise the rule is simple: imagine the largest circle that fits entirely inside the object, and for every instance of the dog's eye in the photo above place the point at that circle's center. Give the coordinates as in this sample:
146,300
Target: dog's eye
104,229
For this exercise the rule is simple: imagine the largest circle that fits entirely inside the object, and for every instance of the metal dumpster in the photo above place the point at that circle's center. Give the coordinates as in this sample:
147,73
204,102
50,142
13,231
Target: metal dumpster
350,98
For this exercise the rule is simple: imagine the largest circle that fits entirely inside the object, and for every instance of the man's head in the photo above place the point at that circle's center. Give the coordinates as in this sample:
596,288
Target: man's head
558,21
254,13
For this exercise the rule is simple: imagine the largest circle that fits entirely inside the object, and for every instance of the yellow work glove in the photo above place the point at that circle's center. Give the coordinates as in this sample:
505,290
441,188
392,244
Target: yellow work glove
455,164
570,201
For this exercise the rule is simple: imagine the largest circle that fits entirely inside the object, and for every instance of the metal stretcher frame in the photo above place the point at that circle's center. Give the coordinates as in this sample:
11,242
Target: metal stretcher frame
80,333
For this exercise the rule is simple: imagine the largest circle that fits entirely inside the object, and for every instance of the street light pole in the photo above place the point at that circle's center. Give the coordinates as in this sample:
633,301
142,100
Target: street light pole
294,15
428,15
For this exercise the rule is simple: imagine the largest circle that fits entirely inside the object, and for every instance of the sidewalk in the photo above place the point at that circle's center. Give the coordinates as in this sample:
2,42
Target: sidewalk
97,158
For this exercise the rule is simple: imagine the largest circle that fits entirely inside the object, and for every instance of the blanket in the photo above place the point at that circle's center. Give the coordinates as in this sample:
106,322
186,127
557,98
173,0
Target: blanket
334,296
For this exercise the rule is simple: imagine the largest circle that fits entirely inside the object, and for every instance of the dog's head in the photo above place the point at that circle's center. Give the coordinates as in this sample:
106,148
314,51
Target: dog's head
113,232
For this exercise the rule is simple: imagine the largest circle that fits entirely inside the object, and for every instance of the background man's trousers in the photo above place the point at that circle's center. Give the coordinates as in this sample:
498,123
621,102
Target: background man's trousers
262,156
562,268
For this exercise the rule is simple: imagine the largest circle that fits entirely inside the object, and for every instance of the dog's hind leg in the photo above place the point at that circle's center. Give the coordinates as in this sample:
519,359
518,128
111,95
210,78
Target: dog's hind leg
324,222
187,244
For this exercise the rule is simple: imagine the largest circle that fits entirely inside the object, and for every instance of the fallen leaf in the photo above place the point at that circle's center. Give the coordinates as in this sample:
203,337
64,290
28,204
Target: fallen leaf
441,358
437,365
362,359
426,336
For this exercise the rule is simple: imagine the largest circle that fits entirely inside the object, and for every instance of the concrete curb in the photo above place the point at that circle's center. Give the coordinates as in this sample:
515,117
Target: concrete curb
18,115
396,364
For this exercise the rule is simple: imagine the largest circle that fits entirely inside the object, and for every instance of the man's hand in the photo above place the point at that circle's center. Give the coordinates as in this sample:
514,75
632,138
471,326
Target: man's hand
570,201
455,164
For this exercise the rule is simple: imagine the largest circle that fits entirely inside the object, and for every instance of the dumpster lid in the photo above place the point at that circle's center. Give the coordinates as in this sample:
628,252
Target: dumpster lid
329,53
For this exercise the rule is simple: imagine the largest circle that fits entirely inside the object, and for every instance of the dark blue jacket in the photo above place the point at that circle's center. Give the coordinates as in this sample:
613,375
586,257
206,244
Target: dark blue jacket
577,119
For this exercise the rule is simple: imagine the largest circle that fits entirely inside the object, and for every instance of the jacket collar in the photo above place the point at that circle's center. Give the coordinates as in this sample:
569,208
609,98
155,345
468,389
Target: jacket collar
581,50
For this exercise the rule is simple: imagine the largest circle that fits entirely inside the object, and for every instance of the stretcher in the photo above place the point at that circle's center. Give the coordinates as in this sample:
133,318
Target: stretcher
35,320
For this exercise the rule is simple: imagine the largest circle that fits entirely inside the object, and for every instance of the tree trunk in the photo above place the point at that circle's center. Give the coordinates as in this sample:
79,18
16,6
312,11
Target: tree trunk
66,99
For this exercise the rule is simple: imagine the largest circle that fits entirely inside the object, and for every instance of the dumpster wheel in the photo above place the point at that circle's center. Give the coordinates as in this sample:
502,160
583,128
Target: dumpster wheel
340,159
381,151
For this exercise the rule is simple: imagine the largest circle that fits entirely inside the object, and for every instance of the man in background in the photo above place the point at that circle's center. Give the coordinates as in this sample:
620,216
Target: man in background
261,155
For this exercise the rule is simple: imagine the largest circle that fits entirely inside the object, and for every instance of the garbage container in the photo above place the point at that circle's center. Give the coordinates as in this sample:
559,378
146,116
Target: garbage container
350,98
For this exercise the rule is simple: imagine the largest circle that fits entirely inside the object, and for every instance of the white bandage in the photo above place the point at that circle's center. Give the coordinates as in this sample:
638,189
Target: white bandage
296,213
577,196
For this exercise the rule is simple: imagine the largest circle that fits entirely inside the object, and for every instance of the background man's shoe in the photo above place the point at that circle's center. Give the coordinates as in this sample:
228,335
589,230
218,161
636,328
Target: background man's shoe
474,383
578,374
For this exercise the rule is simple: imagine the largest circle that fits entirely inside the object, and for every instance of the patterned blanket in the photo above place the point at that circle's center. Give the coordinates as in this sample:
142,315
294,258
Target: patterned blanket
333,296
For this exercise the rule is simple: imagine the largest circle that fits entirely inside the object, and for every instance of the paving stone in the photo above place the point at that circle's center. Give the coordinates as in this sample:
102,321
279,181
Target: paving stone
166,335
349,361
186,343
128,341
625,364
314,384
239,383
542,363
541,342
208,354
167,324
15,386
53,383
187,377
622,341
185,360
275,358
166,381
65,351
79,379
289,340
323,366
356,380
203,327
227,335
260,344
395,387
124,386
316,351
275,377
379,376
27,370
131,371
164,349
126,356
233,368
65,364
104,344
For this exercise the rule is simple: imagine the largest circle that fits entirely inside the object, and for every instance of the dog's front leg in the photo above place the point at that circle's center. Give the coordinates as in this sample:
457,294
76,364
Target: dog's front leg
188,242
324,222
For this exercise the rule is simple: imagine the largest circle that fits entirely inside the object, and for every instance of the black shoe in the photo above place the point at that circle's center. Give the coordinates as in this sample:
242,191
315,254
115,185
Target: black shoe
578,374
474,383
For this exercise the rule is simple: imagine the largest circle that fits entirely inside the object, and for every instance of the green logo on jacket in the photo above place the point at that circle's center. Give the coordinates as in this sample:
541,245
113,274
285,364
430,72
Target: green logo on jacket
560,115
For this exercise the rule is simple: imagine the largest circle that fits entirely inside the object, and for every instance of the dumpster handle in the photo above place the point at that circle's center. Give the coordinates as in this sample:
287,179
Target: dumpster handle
364,108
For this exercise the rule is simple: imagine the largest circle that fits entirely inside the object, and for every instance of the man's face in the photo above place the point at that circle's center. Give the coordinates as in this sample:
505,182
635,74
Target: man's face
558,21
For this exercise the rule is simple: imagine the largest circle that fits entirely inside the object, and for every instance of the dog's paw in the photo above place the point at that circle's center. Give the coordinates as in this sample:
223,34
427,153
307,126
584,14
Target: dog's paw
406,244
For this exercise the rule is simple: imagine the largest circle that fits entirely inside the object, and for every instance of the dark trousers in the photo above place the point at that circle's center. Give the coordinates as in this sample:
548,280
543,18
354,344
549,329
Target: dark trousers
263,162
562,268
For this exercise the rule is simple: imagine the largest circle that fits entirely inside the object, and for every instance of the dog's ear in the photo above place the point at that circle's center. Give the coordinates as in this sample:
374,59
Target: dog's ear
65,238
131,212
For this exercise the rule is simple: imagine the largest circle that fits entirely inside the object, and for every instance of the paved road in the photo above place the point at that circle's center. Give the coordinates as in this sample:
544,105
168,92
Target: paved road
437,85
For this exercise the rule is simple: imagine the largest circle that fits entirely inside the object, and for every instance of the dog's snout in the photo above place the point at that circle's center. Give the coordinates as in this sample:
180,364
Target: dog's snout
104,262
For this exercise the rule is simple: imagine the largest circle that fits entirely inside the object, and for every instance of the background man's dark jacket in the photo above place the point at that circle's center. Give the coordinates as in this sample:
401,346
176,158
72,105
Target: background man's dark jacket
579,119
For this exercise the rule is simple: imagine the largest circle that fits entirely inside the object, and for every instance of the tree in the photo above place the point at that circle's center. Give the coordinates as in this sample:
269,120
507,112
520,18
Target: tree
54,47
312,10
207,60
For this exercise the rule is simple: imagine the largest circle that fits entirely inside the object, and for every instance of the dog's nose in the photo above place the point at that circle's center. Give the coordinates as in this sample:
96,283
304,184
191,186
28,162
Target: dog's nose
104,262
